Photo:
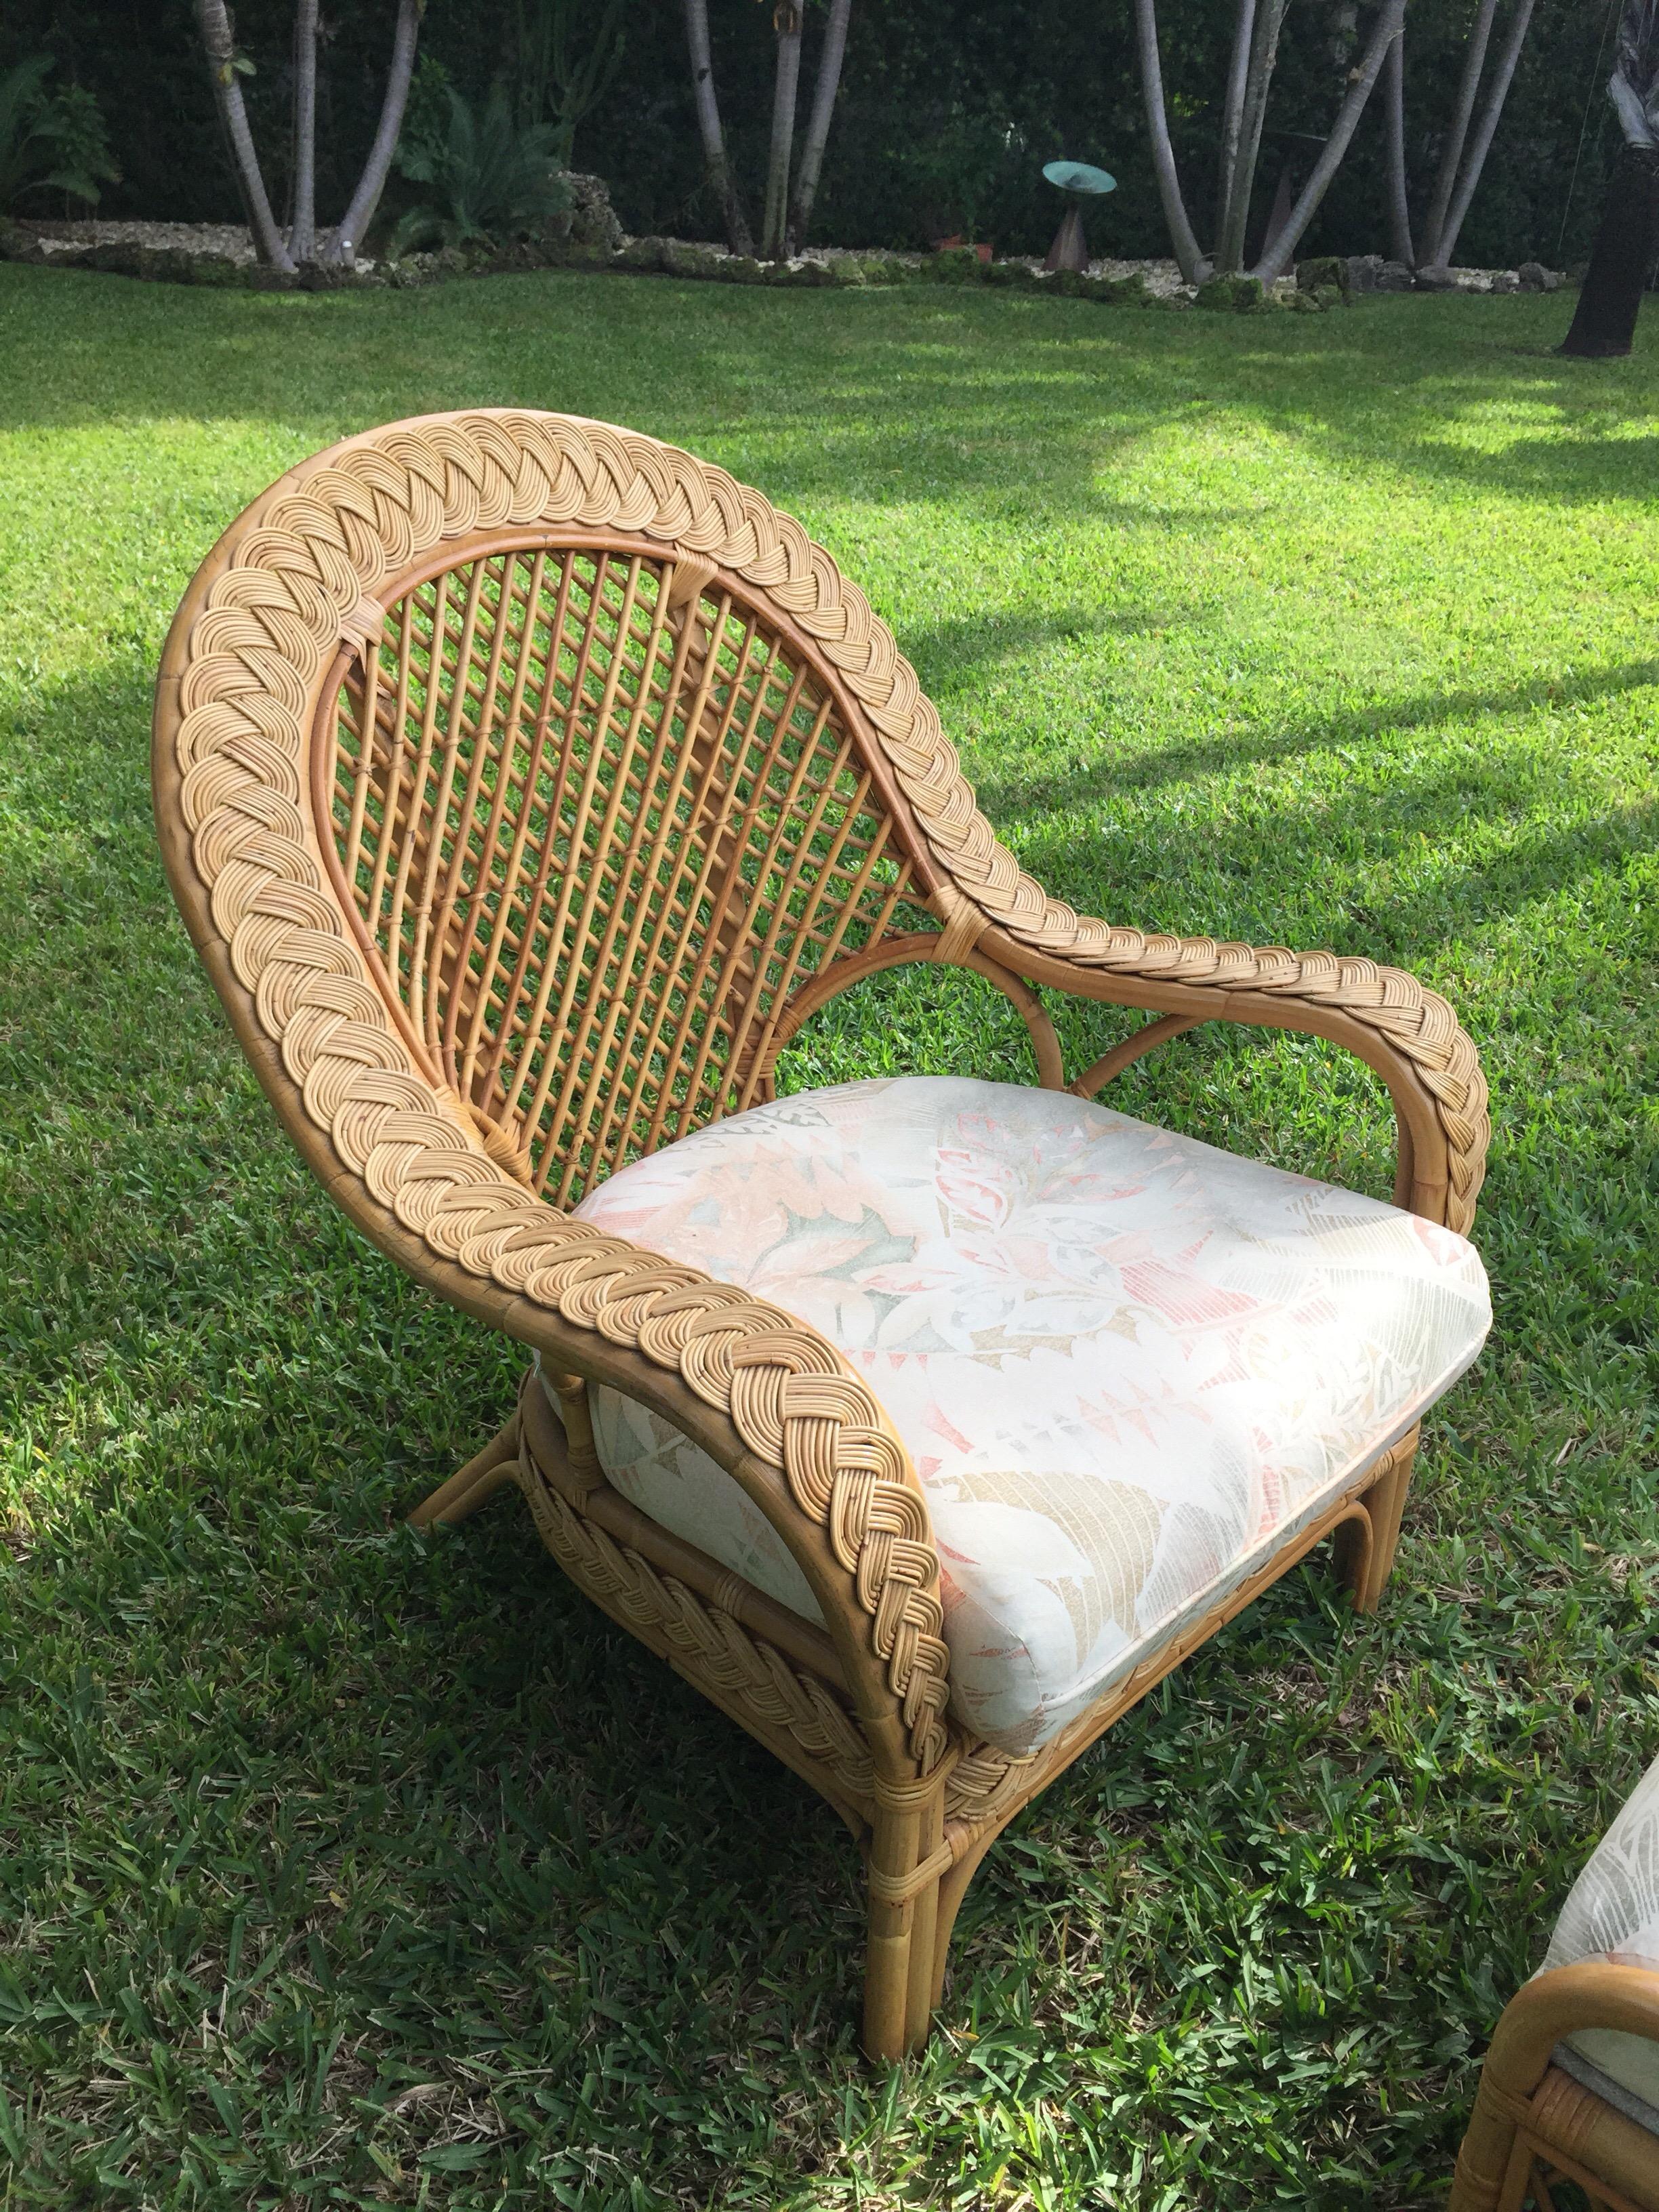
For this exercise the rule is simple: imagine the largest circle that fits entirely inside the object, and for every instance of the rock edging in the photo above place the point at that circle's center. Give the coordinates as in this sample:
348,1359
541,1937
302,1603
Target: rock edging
648,256
596,242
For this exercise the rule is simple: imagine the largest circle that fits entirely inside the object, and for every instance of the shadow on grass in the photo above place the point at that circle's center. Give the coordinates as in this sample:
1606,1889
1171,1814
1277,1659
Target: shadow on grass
1149,766
912,394
448,1865
953,652
1207,882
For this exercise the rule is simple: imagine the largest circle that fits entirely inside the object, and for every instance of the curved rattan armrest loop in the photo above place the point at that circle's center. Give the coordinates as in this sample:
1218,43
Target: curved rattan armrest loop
1407,1034
1564,2001
769,1400
1528,2107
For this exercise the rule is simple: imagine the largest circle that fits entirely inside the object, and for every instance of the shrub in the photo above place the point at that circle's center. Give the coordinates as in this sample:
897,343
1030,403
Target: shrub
51,139
1232,295
492,180
957,265
1325,269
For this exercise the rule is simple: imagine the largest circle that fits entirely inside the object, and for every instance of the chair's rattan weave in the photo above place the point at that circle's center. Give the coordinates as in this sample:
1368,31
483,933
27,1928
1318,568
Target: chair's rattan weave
607,826
524,782
1534,2127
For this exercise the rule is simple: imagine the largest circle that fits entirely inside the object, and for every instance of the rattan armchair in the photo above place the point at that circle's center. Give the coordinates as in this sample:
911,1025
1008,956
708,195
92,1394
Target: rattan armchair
526,784
1570,2089
1536,2124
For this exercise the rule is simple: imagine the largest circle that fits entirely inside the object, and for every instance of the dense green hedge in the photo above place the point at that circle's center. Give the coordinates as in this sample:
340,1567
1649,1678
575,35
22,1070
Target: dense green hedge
949,109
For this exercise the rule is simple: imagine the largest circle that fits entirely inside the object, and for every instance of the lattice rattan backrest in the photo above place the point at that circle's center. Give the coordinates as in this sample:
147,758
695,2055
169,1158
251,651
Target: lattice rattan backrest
597,816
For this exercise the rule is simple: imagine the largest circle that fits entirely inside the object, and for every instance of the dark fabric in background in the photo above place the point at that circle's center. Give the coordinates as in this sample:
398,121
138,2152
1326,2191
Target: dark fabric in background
948,109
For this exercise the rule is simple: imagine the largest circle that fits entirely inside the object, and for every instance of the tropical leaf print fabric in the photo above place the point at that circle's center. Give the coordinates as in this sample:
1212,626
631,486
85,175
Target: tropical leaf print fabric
1128,1366
1612,1913
667,1476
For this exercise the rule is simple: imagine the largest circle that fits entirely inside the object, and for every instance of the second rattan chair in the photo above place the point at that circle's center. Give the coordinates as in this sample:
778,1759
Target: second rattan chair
526,785
1569,2096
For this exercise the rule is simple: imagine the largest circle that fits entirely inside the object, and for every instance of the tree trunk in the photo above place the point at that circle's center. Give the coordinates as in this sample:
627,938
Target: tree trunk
817,127
1279,213
786,22
1391,19
302,233
354,222
1232,114
1193,266
717,170
527,62
1604,321
221,48
1483,138
1475,60
1399,216
1264,53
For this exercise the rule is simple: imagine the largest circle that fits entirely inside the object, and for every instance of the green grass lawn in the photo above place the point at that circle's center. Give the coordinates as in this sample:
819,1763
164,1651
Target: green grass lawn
340,1866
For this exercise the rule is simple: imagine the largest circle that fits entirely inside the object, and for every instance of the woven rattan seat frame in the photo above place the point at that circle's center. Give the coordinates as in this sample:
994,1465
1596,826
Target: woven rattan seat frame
525,784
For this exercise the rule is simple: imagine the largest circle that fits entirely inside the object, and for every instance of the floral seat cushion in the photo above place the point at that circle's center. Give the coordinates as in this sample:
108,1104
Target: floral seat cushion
1613,1914
1128,1367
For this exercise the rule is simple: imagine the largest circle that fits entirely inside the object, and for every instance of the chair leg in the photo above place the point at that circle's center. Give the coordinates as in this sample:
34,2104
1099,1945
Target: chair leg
951,1891
898,1985
478,1481
1494,2165
1368,1568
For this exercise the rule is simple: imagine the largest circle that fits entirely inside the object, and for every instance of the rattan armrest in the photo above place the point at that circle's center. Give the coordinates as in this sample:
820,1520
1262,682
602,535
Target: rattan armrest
1408,1034
763,1393
1593,1993
1525,2103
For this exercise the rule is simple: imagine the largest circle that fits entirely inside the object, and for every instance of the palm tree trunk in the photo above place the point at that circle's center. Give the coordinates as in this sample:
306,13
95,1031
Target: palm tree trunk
358,216
527,61
1193,266
1610,299
1264,53
717,169
1232,114
1399,213
1389,21
1279,214
818,126
214,25
302,233
786,22
1475,60
1483,138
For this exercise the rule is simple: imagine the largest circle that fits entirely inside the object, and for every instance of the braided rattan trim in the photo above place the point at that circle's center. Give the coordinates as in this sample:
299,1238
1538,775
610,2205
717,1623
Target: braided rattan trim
301,577
749,1677
316,565
391,496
